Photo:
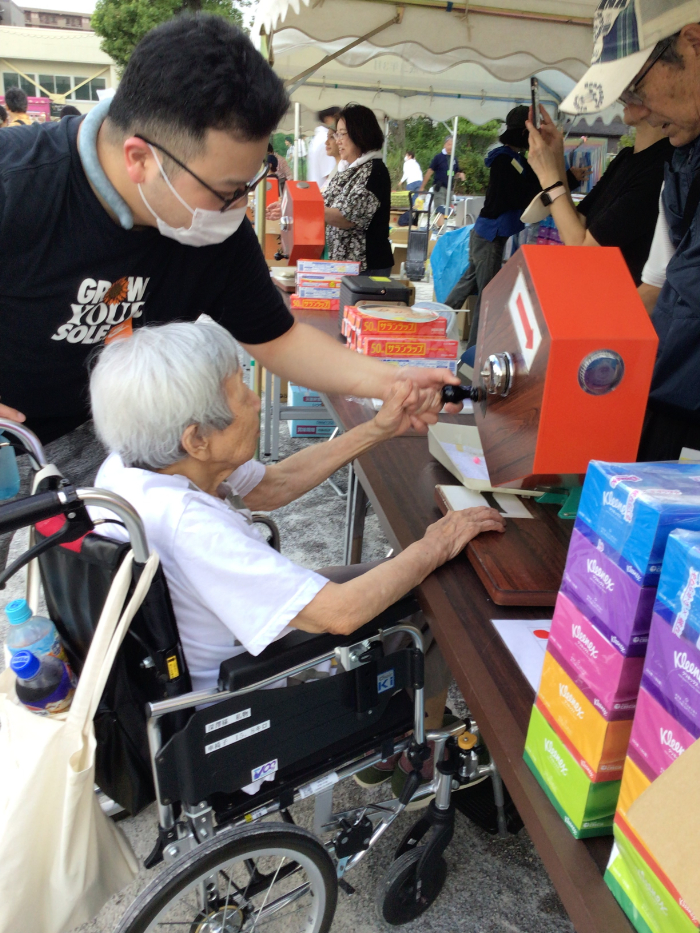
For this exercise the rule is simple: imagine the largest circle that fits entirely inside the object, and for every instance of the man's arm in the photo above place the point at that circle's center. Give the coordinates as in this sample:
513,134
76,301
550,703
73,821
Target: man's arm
426,179
649,295
308,357
286,481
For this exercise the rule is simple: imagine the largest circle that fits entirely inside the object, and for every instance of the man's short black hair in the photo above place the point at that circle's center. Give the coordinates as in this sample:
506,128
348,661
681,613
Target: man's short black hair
363,127
328,113
192,74
3,114
69,111
16,100
411,153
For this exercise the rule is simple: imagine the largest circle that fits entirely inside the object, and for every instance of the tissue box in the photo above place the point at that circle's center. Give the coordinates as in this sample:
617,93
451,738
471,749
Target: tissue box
318,291
634,783
321,427
422,363
680,579
599,745
604,675
608,589
672,669
587,807
635,506
657,738
327,267
650,905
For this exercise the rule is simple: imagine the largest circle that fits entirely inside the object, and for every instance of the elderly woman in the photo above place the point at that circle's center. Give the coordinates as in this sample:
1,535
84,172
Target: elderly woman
358,197
171,405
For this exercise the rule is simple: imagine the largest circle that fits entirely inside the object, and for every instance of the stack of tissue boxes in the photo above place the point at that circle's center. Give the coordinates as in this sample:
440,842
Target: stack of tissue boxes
299,397
666,723
582,719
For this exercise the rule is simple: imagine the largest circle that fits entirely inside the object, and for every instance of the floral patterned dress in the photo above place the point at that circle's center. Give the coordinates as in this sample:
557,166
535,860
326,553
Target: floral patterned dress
362,194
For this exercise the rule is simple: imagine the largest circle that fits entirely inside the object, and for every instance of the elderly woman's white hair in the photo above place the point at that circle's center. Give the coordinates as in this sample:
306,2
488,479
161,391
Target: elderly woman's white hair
145,390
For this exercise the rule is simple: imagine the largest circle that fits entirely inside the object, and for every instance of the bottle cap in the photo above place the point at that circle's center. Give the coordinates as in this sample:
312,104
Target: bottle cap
18,611
25,664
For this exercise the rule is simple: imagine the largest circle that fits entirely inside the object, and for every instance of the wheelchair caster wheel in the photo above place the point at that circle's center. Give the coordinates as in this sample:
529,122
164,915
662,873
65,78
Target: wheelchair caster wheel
404,895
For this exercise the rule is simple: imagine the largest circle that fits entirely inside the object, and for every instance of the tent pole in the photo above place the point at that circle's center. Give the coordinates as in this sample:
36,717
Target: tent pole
385,147
297,134
450,169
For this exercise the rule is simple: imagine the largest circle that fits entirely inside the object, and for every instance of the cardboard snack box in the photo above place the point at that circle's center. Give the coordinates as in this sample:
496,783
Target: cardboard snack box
328,267
427,347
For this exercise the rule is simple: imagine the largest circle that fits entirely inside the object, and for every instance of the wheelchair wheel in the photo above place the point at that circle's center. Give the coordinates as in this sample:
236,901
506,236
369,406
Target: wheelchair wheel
269,878
404,895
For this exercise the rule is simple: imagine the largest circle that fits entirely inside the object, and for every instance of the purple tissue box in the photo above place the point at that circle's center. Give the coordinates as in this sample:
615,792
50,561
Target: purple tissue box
672,669
604,586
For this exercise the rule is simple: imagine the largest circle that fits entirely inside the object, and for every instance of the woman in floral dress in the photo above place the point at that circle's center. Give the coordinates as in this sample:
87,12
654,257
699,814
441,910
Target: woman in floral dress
358,197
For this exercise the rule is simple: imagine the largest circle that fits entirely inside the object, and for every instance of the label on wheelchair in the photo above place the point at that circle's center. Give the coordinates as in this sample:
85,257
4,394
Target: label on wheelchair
385,681
263,771
315,787
227,720
237,737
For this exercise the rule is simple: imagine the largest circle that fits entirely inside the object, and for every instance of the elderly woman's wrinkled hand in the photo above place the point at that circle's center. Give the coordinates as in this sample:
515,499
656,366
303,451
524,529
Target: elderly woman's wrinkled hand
393,418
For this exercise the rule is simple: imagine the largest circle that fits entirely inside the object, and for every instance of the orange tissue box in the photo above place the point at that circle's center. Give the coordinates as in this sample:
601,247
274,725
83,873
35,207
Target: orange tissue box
599,746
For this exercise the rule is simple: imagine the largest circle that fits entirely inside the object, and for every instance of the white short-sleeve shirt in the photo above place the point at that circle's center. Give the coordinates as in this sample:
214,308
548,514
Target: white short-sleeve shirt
231,592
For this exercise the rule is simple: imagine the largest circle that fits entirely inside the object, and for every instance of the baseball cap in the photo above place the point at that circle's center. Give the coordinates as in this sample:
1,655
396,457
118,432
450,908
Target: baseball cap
625,33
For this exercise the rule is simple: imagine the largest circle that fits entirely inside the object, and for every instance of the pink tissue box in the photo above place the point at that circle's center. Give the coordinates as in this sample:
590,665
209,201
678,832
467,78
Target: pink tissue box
608,678
657,737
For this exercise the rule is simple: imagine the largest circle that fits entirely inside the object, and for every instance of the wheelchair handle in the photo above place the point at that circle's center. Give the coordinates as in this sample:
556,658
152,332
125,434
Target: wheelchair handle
30,441
29,510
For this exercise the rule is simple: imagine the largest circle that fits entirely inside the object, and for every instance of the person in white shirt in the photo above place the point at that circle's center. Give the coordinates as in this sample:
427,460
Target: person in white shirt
319,164
412,172
182,427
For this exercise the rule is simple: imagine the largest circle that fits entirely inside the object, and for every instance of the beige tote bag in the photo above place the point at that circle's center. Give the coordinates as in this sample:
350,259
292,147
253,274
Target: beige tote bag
61,858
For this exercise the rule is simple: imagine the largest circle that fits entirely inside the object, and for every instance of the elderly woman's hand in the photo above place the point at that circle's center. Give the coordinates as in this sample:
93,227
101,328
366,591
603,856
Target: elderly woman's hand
393,418
546,152
273,211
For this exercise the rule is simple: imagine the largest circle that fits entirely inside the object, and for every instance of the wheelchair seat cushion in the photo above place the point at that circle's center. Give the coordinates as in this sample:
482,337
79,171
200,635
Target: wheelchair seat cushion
300,647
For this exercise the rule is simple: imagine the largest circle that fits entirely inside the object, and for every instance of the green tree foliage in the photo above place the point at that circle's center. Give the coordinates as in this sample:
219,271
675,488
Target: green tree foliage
123,23
425,138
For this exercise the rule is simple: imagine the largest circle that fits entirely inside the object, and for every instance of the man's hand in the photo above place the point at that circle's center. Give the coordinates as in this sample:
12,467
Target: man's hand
461,177
393,418
11,414
428,384
449,536
273,211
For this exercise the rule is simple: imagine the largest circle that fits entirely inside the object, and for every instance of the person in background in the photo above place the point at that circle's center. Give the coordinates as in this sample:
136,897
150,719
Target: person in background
3,116
412,174
16,103
272,160
333,151
622,208
659,72
439,167
69,111
284,172
319,164
358,198
289,143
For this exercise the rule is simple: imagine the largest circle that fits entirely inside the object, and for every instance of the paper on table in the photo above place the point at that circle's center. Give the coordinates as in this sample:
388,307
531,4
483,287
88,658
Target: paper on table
468,460
459,497
526,639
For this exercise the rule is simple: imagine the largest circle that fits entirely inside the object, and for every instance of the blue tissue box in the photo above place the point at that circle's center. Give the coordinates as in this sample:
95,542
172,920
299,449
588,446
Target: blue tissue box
635,506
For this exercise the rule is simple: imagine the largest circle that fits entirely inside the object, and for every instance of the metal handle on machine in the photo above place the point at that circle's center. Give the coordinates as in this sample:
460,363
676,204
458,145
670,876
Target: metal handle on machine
497,374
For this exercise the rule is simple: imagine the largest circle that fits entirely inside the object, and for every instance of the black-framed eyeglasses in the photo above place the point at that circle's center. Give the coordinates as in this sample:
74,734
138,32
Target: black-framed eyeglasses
630,95
239,193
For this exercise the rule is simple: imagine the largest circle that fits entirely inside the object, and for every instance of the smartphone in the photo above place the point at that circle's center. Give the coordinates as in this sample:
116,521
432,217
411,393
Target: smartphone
535,98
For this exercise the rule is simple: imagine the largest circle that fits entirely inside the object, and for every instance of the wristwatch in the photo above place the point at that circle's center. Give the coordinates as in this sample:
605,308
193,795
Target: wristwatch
546,198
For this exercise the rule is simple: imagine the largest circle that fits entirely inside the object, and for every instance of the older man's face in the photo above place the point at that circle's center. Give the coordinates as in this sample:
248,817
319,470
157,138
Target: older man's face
671,94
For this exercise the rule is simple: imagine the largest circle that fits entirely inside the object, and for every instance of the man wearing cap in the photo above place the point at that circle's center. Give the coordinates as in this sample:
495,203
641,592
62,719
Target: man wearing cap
440,168
647,53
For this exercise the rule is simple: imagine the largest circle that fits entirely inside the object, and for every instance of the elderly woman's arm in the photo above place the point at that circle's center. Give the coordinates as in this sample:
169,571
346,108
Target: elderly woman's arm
340,608
286,481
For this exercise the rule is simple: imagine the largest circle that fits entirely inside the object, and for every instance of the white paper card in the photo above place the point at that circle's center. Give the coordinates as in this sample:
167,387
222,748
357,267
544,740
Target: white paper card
459,497
468,460
526,639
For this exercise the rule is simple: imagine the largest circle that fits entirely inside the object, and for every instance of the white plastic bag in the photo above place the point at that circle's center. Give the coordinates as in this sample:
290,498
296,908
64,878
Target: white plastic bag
61,858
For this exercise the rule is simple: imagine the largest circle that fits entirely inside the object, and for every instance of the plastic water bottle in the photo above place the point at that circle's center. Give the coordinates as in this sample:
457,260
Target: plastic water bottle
45,686
9,474
28,632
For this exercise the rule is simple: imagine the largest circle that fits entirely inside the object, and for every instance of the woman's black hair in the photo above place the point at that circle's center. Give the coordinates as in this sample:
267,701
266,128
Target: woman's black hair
363,127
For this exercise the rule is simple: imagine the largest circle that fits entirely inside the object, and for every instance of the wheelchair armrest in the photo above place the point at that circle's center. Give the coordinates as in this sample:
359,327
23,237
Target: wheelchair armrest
300,647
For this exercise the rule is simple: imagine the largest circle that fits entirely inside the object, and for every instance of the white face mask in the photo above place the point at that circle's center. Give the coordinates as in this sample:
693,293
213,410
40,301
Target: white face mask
207,228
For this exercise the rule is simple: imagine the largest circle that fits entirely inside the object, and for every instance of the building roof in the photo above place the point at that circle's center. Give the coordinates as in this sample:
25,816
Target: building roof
598,128
70,7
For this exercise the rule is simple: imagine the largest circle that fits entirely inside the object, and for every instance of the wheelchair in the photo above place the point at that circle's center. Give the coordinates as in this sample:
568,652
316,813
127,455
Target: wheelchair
235,862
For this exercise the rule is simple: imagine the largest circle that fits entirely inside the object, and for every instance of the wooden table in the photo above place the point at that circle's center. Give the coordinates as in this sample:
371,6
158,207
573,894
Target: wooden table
399,478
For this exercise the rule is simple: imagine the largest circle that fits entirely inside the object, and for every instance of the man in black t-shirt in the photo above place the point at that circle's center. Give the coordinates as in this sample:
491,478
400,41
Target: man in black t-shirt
440,168
136,214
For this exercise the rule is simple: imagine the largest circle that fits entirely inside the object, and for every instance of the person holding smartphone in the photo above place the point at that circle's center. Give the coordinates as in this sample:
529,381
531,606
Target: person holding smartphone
621,210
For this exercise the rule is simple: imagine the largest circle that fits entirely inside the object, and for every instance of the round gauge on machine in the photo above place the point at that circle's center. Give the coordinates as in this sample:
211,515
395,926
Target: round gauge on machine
601,372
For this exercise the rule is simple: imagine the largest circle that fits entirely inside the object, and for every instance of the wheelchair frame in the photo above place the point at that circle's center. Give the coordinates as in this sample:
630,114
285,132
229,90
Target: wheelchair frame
356,830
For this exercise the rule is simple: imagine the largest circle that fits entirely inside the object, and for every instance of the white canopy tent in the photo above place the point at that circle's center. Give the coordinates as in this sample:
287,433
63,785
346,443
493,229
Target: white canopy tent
424,56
